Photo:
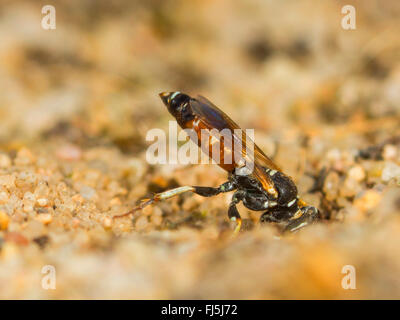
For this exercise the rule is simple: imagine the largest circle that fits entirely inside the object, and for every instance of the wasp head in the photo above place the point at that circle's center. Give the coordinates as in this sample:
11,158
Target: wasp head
178,105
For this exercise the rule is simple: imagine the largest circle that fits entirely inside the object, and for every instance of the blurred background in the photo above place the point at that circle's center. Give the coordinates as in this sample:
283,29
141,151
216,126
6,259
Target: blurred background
76,104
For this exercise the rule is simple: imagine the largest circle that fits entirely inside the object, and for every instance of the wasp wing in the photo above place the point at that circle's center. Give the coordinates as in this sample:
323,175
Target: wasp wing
211,114
213,117
216,118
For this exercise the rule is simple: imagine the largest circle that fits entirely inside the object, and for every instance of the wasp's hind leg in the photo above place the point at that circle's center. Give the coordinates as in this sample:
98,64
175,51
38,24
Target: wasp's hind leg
306,216
202,191
210,191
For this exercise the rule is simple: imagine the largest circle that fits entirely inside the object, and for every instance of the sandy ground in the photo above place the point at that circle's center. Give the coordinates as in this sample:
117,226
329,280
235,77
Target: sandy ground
77,102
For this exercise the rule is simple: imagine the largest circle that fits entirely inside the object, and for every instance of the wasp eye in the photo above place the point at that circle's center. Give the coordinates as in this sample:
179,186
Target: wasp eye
177,100
174,95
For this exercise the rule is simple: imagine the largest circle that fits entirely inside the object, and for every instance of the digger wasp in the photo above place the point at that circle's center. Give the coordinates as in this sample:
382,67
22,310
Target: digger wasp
263,187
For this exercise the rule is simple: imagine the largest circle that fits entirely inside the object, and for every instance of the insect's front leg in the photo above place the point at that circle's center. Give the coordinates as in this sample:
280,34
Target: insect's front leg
233,212
202,191
274,216
302,217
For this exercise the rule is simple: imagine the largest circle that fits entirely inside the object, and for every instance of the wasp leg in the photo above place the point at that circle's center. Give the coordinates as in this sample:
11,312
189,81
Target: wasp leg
233,212
210,191
307,215
275,216
202,191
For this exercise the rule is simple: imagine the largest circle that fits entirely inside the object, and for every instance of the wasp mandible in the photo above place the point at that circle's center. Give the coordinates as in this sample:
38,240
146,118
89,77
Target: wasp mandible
264,188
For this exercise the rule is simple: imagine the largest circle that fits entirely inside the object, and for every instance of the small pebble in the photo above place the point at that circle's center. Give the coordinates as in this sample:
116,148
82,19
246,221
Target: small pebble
26,180
8,181
42,202
78,198
390,152
28,208
24,157
45,218
4,220
4,197
374,169
28,201
331,185
42,190
333,155
69,152
115,201
350,188
356,173
87,192
390,171
369,200
107,223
